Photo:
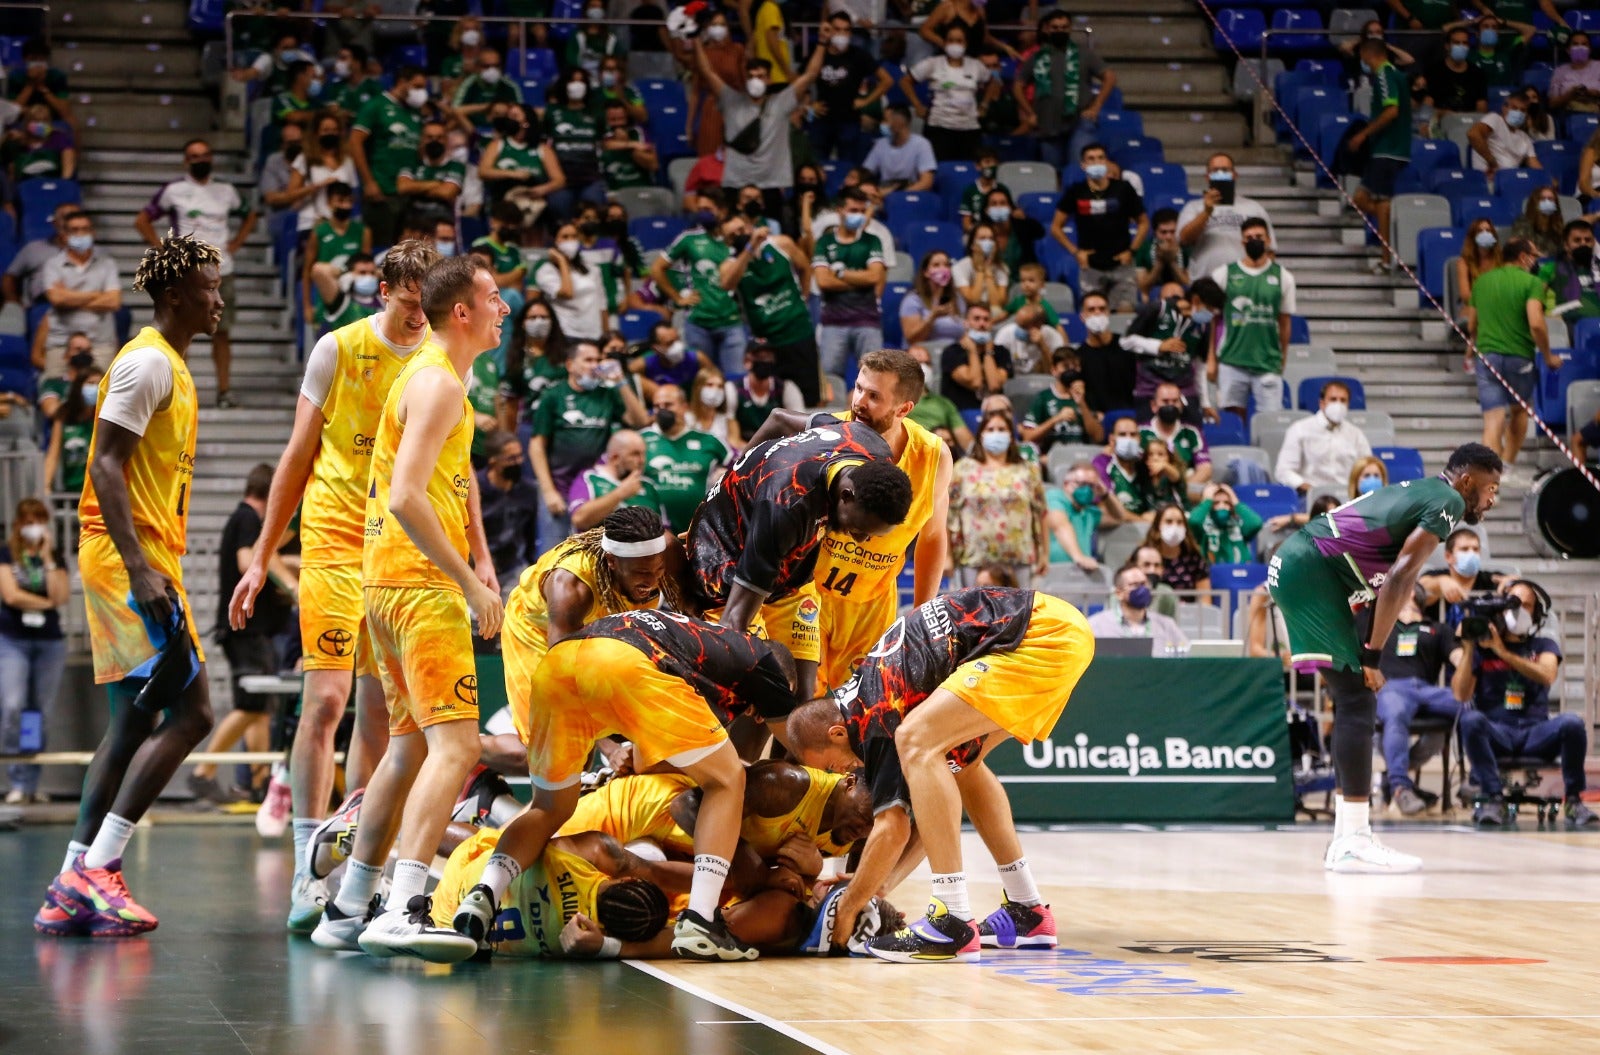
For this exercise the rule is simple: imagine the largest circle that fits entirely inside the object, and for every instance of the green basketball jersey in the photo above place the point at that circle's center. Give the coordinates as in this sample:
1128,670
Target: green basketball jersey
1362,538
774,305
701,256
1253,305
682,469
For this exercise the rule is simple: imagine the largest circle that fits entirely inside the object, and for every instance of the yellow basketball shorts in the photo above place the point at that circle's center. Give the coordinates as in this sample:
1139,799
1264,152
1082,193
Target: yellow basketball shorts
462,872
523,647
848,632
422,646
333,620
793,622
1025,690
590,687
117,634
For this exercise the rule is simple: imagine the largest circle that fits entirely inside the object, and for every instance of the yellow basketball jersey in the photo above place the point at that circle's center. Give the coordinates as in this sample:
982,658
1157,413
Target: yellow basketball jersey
766,834
161,469
546,896
336,496
850,571
389,557
528,595
636,807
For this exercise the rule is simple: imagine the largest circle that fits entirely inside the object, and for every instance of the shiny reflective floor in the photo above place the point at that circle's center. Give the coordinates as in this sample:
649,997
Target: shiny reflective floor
1176,940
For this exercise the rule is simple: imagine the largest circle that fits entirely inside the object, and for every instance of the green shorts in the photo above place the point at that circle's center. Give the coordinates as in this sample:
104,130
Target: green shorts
1315,603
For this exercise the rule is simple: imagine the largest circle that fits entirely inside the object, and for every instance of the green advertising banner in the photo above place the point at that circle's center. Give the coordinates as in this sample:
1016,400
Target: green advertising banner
1159,740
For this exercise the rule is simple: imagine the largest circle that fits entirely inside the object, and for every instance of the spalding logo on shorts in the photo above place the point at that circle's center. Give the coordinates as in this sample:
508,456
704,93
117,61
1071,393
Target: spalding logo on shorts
467,689
335,642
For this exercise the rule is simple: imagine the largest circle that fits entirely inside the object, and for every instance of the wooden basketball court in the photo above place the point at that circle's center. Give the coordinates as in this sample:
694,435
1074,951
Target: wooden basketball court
1215,940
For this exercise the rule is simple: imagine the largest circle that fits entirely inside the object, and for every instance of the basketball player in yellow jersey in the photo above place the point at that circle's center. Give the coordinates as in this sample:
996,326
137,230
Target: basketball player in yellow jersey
134,513
326,465
419,590
857,581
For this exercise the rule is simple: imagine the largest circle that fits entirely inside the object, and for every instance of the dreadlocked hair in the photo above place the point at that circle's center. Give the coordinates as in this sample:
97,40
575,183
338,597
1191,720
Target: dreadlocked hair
628,524
631,910
167,264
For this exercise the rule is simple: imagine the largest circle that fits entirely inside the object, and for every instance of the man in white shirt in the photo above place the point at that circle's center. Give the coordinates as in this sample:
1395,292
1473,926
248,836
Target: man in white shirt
1209,225
1131,615
902,160
1319,451
84,289
199,206
1500,141
1030,340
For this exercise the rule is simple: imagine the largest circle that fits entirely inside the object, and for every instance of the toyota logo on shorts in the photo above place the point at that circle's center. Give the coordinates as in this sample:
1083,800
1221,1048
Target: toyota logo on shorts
335,642
467,689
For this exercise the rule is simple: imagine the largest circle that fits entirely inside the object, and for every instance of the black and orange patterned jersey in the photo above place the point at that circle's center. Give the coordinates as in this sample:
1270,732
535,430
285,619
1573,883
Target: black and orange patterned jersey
920,651
762,525
732,671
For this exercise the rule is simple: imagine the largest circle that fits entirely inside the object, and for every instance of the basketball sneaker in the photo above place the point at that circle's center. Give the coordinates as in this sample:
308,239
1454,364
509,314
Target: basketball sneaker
1360,853
937,937
334,839
273,816
307,899
113,912
475,915
340,932
61,917
1014,926
696,938
410,932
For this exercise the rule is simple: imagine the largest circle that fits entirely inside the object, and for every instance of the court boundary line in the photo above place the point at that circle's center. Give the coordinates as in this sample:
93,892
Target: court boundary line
1200,1018
800,1036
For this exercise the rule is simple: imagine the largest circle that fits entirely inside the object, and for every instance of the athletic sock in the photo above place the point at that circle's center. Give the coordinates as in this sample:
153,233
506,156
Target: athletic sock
302,844
74,848
705,889
356,889
951,888
1350,818
410,879
499,874
109,841
1017,878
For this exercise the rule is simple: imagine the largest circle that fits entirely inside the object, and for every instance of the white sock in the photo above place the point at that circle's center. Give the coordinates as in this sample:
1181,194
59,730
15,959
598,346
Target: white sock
1351,818
1017,878
705,889
74,848
499,874
302,844
109,841
951,888
356,889
410,879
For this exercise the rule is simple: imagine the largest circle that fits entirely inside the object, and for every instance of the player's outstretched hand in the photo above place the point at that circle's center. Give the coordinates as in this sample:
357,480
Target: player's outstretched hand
242,605
485,604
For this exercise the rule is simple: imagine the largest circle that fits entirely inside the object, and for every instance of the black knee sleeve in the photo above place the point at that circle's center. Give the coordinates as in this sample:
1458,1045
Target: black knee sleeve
1355,712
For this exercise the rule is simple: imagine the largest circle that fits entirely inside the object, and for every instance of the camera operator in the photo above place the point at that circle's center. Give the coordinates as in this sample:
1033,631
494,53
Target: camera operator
1463,575
1412,658
1507,669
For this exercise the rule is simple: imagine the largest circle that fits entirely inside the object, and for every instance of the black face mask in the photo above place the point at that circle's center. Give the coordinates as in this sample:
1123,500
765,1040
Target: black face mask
614,228
751,209
1068,378
1169,414
1583,257
1058,39
738,242
1255,248
433,151
666,420
588,228
506,126
343,213
200,170
805,185
511,473
328,142
291,151
766,369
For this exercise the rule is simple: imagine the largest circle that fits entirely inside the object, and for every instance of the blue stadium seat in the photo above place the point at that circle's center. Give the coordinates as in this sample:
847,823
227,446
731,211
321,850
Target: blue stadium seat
1560,160
1402,463
1325,71
656,92
1238,579
1299,330
1133,151
533,89
1463,211
1330,129
14,353
1537,75
24,382
1437,249
1121,122
1576,365
1076,334
1015,148
1588,20
38,198
951,178
571,14
1164,180
1296,18
893,294
1239,29
635,326
657,232
833,174
1457,183
903,208
667,125
1586,333
1226,432
409,55
1040,206
1430,154
1309,393
1270,500
1059,266
206,16
1513,186
924,236
11,51
538,64
1580,127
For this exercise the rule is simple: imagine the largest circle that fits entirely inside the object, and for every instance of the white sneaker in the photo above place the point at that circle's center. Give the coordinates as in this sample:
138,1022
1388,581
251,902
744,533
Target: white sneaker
1362,854
306,900
273,816
410,932
340,932
475,915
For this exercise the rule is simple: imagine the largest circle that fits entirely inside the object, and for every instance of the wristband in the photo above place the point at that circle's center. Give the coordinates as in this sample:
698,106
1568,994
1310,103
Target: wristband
1370,656
610,949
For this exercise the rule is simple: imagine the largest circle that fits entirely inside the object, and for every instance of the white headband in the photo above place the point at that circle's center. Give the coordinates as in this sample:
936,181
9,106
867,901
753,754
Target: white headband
647,548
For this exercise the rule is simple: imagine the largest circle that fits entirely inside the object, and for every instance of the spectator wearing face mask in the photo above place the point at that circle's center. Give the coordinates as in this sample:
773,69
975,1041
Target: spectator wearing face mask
708,407
1572,275
592,42
1502,50
1452,84
813,225
334,243
1540,222
349,295
954,80
574,288
1575,86
432,182
69,404
356,79
1123,471
975,196
385,139
1480,254
1320,451
1259,295
689,274
764,271
510,507
480,90
1387,137
1224,526
1075,512
973,366
1061,413
850,82
997,507
1367,475
83,287
752,398
932,310
726,57
1185,442
1055,89
1161,258
669,360
1183,566
684,461
901,159
1210,226
848,268
1463,575
626,158
1501,141
276,183
33,649
323,166
756,124
574,131
535,360
1508,325
1101,208
516,166
1031,341
1131,616
1170,338
1108,370
38,82
36,148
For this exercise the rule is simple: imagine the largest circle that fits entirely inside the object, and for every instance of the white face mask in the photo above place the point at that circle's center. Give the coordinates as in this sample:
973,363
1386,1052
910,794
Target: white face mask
1519,622
536,326
576,90
674,352
1335,412
717,33
1097,323
34,533
491,75
1173,534
569,248
756,87
341,69
840,41
470,38
712,396
984,245
955,51
1128,449
417,98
